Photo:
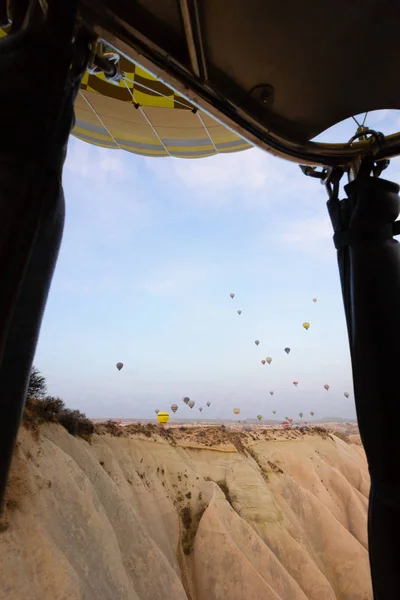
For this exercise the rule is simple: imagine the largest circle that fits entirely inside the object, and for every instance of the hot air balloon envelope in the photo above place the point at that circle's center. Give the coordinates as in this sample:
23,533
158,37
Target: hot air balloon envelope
191,403
119,365
257,342
263,361
347,394
259,417
232,295
239,312
236,411
163,417
208,404
326,386
287,350
272,393
269,360
306,325
174,408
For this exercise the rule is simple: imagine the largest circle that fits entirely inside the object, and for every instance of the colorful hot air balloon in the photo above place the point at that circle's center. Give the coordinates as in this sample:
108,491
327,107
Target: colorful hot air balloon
208,404
257,342
290,420
141,114
259,417
232,295
296,383
163,418
119,365
274,412
191,403
186,400
306,325
326,386
236,411
239,312
312,413
272,393
174,408
156,411
285,425
263,361
314,299
269,360
201,409
346,394
287,350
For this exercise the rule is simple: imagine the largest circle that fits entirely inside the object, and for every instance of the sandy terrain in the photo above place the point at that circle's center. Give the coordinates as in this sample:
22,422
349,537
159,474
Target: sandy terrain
201,513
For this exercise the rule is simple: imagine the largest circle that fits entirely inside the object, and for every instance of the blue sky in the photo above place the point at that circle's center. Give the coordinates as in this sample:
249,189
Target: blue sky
152,249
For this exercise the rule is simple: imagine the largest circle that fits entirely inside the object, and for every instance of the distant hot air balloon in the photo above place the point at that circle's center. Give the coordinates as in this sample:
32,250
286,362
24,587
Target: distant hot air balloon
191,403
312,413
269,360
232,296
208,404
186,400
257,342
287,350
174,408
296,383
300,415
163,418
285,424
290,420
305,422
156,411
347,394
236,411
259,417
314,299
274,412
119,365
306,325
263,361
326,386
272,393
201,409
239,312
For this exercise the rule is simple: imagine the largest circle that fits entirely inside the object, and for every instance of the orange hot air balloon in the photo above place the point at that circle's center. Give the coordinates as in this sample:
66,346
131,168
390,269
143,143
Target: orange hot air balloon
236,411
306,325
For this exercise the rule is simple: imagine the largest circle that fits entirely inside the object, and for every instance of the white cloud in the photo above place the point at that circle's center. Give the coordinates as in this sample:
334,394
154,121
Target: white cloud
98,165
250,177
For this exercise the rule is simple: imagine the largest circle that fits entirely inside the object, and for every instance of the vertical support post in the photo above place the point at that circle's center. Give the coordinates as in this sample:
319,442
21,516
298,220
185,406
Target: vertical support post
40,70
369,265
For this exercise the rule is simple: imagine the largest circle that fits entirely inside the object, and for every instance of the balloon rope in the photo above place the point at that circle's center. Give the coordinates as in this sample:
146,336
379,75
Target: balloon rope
146,117
153,91
100,119
206,129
